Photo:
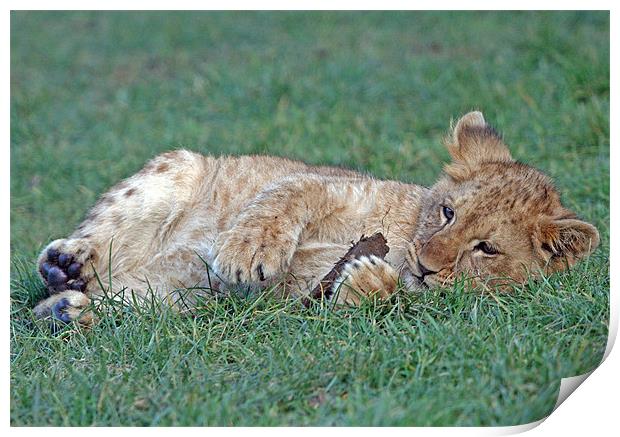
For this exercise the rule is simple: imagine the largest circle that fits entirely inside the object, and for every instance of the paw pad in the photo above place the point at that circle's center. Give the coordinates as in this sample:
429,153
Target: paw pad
56,277
62,272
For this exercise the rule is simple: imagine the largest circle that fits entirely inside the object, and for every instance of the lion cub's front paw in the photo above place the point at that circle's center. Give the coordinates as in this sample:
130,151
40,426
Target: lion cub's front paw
365,277
252,255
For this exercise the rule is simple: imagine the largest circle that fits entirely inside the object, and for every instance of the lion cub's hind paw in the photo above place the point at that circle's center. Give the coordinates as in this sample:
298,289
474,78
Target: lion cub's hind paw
61,271
66,307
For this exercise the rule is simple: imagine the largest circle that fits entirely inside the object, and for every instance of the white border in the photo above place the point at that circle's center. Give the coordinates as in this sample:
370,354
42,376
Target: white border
592,410
310,5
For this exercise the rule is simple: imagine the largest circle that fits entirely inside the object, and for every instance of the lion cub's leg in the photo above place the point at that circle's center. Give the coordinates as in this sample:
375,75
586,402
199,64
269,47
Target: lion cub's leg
131,226
365,277
261,244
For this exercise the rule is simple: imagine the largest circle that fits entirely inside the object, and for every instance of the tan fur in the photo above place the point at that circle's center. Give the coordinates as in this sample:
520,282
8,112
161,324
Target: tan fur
258,220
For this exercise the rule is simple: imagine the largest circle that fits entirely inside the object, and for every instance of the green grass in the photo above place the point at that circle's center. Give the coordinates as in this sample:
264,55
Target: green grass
94,95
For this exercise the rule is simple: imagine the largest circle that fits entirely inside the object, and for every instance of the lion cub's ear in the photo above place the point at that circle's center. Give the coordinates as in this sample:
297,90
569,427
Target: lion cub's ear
472,143
567,240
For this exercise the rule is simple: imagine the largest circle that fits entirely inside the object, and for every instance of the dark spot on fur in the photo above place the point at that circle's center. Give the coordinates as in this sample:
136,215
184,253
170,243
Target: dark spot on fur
130,192
164,166
171,155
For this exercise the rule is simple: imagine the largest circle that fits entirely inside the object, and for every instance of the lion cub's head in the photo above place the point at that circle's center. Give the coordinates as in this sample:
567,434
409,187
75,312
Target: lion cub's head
493,219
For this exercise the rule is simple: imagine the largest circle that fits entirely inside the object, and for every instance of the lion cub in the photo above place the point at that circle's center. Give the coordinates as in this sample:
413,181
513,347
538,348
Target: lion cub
188,225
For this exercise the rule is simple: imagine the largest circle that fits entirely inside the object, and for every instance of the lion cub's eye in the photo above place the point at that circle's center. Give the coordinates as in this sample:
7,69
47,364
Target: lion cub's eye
486,248
448,213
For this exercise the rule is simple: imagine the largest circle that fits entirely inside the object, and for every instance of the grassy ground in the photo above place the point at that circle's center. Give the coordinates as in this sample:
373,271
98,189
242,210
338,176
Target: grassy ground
96,94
